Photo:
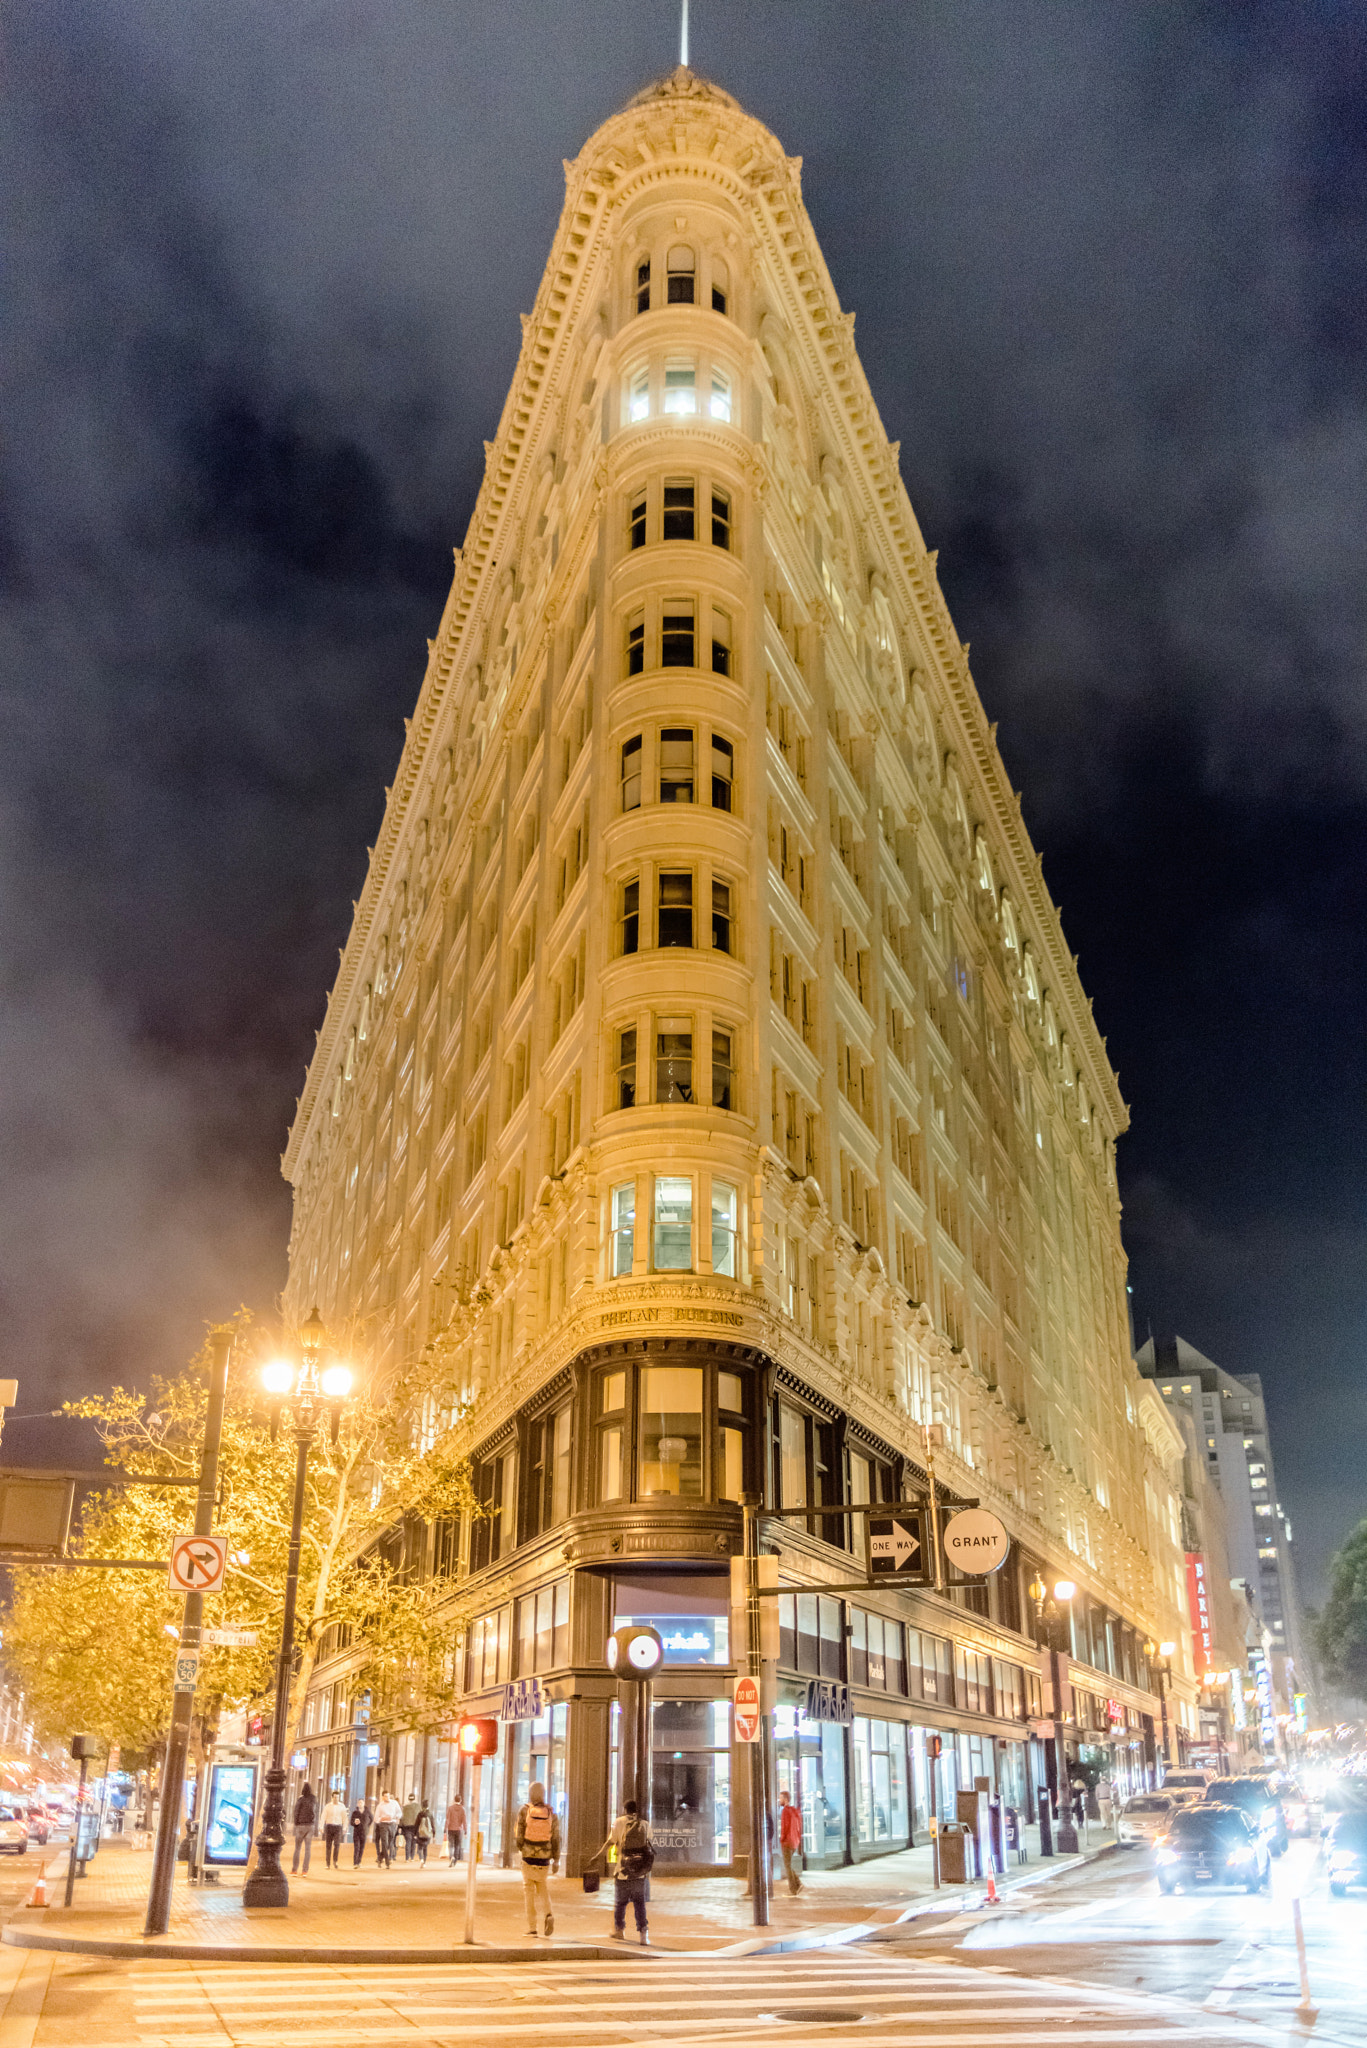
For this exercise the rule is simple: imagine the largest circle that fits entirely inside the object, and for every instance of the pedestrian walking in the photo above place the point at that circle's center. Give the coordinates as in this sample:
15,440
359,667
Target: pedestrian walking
387,1816
538,1842
424,1829
334,1825
630,1836
455,1828
790,1840
362,1820
305,1821
408,1822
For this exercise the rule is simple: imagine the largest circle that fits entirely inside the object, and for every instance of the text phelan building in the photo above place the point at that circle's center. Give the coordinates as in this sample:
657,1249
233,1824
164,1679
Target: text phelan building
707,1078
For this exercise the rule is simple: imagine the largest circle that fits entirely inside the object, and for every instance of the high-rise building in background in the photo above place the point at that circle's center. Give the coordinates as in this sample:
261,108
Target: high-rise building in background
707,1089
1226,1422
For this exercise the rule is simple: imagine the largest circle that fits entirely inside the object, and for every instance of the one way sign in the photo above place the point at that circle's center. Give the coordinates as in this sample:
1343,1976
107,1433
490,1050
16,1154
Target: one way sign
897,1547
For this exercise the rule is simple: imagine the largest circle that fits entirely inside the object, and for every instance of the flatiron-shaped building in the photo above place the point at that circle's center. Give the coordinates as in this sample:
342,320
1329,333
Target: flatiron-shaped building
707,1086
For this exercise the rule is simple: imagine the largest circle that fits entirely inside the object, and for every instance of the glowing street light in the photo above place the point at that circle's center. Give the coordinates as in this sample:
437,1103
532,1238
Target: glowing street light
309,1396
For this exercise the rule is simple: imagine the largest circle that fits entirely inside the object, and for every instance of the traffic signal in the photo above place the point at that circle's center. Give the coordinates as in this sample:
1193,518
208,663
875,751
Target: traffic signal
477,1737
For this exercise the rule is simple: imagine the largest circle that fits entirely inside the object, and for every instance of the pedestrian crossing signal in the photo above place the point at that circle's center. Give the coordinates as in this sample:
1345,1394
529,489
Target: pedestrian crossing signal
477,1737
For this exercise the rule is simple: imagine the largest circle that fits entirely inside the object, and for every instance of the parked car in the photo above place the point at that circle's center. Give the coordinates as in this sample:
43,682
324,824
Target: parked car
1144,1818
1254,1797
1208,1844
38,1823
1346,1852
13,1831
1184,1785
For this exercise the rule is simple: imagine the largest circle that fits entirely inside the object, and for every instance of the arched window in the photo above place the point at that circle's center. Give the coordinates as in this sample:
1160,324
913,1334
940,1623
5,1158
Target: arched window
680,271
721,284
1031,977
1009,932
643,284
985,880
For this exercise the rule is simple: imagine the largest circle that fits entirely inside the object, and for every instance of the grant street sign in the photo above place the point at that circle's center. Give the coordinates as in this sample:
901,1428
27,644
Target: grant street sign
976,1542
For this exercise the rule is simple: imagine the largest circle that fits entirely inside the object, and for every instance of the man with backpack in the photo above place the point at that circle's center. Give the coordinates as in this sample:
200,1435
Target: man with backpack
630,1836
538,1840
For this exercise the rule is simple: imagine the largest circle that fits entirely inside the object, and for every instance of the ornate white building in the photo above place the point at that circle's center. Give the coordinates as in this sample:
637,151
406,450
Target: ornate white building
707,1080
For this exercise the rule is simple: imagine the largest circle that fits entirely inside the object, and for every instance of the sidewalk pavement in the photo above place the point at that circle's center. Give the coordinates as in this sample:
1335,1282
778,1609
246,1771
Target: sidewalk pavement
413,1913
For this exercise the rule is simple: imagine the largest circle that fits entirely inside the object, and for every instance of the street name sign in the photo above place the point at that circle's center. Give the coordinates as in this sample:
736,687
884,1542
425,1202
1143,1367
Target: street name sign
897,1546
230,1638
976,1542
747,1709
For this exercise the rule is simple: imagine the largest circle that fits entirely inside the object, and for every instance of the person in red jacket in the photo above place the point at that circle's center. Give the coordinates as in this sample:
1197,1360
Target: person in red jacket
790,1839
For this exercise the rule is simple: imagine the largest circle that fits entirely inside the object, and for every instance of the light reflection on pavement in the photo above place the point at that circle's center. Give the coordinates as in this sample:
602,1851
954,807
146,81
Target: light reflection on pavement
1227,1952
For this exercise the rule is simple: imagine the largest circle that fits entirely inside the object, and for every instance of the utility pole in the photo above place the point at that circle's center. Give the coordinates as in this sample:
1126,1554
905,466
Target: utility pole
754,1664
183,1701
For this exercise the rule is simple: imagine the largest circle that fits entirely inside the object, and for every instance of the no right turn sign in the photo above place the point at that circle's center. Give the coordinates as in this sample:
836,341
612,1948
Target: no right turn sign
198,1563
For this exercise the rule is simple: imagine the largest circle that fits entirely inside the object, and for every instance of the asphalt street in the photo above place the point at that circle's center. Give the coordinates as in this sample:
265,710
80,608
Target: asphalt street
1220,1952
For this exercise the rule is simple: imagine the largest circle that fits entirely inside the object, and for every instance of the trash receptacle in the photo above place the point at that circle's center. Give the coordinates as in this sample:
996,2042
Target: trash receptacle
954,1852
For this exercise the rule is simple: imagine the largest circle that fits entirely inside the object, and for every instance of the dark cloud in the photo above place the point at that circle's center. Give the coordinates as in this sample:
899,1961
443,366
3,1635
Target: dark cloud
264,263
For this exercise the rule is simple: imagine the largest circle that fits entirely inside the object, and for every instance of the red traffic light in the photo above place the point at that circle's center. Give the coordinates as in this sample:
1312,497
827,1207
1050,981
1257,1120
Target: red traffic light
477,1737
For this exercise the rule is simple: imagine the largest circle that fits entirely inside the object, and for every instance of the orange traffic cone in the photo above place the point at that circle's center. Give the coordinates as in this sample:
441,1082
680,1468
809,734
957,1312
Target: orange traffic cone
992,1898
38,1896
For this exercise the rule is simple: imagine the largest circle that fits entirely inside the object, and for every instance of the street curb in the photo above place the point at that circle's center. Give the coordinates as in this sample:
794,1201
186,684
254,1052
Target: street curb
223,1952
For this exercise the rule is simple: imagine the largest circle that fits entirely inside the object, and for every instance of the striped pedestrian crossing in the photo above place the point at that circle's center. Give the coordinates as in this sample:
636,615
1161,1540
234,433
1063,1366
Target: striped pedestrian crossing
683,2001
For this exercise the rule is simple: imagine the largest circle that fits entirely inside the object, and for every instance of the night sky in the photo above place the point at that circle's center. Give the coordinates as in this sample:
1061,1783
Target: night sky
262,267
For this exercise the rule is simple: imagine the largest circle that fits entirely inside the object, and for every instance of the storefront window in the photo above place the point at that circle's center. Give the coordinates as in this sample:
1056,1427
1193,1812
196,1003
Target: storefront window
692,1615
880,1782
540,1753
809,1758
487,1650
876,1652
671,1430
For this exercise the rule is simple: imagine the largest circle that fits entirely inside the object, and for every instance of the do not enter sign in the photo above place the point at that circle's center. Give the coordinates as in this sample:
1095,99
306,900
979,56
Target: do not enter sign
198,1563
747,1706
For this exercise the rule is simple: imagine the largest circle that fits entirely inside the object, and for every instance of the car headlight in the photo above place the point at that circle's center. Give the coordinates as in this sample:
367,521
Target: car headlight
1169,1855
1240,1854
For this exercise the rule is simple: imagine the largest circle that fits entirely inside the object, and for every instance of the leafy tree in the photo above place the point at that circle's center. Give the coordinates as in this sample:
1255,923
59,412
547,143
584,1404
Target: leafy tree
93,1649
1341,1628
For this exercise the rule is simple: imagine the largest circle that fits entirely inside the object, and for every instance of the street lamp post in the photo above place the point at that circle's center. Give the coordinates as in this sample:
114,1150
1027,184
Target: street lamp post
1160,1662
308,1395
1048,1613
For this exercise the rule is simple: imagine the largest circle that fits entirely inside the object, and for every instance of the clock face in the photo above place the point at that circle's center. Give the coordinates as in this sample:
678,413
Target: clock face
643,1653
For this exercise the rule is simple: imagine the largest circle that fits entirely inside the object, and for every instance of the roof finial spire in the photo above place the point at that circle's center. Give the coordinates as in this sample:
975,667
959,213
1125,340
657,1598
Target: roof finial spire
683,35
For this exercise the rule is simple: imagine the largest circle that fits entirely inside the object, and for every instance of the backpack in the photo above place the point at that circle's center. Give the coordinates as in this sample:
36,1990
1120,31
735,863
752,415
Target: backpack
537,1823
638,1854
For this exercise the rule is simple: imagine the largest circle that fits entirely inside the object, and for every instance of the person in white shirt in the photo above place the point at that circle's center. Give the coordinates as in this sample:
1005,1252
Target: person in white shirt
387,1817
334,1827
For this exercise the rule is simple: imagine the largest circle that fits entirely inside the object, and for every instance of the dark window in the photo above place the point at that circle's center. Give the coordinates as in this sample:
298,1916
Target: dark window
636,648
723,1073
676,765
643,286
631,917
721,658
723,773
718,300
721,520
548,1476
678,512
626,1070
679,273
673,1062
631,774
638,520
676,910
721,917
677,641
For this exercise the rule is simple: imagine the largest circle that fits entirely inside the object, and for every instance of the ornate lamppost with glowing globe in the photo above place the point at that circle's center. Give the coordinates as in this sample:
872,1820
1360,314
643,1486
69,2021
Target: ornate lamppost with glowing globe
307,1392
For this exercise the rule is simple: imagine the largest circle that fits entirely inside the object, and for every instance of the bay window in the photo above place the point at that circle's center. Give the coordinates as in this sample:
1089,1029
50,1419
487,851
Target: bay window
674,1059
725,1205
673,1241
623,1228
671,1431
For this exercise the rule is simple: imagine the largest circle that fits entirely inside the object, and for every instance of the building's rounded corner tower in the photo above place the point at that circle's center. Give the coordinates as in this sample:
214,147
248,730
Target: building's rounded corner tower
707,1100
